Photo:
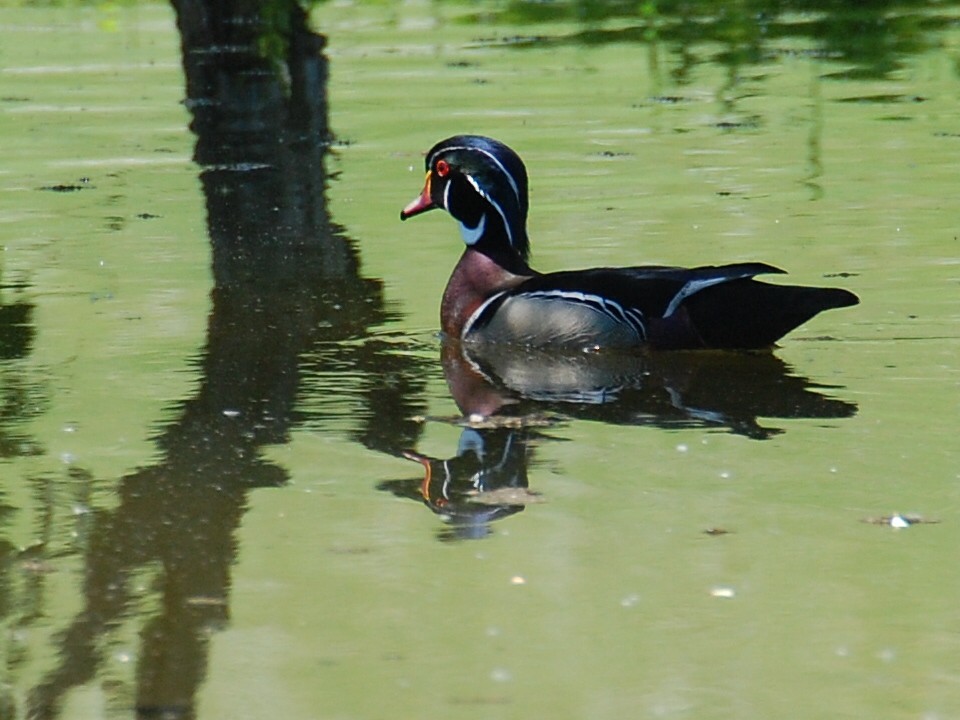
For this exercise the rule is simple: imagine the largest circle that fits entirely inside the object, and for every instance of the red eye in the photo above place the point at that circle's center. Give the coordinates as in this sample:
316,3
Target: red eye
443,168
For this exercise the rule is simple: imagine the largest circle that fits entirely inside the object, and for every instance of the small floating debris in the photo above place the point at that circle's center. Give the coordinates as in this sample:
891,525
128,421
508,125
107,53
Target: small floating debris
722,592
518,580
63,188
883,98
716,531
751,123
670,99
899,521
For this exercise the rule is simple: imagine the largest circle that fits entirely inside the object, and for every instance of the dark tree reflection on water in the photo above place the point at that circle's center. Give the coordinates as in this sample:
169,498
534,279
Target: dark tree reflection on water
286,279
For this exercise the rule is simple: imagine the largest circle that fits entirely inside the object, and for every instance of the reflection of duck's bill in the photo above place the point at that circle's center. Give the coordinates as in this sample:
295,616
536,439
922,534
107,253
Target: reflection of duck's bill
427,471
416,457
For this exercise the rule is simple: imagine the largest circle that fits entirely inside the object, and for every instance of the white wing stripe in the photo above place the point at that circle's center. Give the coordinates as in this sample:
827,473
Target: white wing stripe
691,287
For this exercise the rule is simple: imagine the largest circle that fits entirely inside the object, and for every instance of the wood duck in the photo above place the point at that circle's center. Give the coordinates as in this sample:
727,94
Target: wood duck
494,295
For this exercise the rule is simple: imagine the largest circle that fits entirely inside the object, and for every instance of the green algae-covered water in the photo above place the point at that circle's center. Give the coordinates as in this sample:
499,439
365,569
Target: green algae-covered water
732,537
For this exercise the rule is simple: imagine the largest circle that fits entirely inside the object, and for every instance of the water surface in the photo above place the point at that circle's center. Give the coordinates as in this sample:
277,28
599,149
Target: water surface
206,509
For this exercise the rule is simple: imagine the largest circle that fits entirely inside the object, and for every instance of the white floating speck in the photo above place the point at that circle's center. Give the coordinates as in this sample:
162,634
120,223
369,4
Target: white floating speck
501,675
231,413
722,592
899,521
518,580
682,448
630,601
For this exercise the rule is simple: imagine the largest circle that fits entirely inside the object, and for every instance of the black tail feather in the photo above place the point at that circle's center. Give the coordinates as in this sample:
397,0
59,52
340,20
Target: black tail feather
751,314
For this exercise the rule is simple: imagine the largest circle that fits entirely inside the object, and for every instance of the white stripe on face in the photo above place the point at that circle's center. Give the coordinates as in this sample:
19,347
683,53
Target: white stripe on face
494,203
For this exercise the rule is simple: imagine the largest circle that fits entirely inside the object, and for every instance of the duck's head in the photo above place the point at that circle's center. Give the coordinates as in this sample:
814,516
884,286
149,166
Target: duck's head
483,184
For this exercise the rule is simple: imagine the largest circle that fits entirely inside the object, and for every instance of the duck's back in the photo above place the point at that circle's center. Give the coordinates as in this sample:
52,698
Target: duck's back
662,307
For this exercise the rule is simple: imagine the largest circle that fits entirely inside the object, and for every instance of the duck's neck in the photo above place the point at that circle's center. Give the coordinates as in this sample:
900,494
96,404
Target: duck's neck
491,231
479,274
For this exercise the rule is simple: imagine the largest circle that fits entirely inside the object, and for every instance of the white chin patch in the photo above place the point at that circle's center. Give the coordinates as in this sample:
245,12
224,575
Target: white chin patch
472,235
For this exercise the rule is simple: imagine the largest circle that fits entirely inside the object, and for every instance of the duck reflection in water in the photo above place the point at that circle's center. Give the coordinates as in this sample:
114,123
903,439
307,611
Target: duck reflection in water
508,394
712,389
485,481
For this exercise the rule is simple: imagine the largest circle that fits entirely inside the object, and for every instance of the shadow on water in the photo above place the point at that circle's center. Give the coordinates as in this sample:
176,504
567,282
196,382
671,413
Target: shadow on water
17,397
286,279
508,395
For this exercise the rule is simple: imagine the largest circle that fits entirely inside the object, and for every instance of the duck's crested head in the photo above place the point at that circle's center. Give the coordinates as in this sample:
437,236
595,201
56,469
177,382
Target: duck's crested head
483,184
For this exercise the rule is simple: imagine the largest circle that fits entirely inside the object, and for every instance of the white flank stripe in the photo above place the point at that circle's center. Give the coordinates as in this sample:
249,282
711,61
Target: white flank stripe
478,312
